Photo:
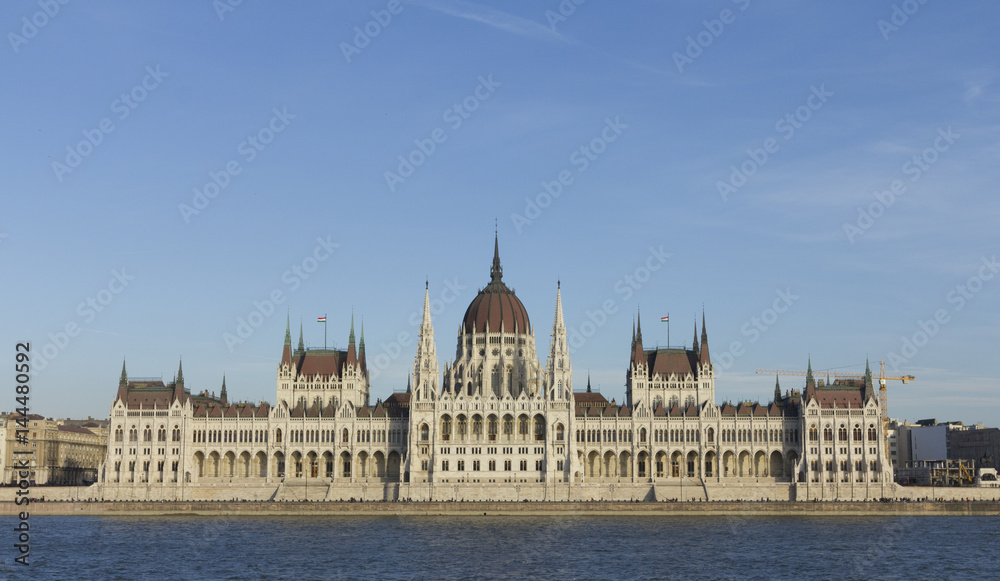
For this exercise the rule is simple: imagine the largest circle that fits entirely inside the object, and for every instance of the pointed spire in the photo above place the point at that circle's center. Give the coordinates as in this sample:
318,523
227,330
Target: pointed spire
180,373
123,380
559,324
703,355
288,329
302,344
352,354
426,320
409,388
496,271
588,383
810,380
694,342
223,395
638,325
777,389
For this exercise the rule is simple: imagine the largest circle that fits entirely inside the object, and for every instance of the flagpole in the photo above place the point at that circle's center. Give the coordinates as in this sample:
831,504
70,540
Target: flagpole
324,331
668,330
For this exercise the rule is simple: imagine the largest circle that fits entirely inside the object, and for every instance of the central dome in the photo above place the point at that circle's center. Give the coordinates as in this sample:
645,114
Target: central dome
496,305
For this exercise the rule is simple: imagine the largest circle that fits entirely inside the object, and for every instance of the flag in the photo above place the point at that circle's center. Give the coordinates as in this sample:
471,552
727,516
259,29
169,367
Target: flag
664,319
321,319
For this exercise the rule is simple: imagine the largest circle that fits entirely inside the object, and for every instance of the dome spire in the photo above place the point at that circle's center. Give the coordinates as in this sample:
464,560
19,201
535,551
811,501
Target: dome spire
496,271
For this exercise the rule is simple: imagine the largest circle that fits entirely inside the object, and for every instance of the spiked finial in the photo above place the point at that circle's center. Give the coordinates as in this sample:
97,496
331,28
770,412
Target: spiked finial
694,342
123,380
223,395
350,339
810,380
496,271
180,373
288,329
302,344
704,327
588,383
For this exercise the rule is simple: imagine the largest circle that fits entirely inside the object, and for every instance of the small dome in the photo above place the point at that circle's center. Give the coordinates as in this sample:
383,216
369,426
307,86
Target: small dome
496,305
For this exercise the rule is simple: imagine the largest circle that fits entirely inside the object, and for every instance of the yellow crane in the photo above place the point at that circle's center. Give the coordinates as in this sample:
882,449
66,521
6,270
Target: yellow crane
883,393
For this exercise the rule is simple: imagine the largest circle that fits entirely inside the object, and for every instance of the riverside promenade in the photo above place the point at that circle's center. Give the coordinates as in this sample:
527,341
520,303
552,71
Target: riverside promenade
472,509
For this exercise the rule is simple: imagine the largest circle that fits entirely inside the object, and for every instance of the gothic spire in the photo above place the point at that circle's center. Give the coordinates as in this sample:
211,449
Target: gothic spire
222,395
302,344
777,389
180,373
350,339
123,380
588,382
496,271
810,380
703,354
694,342
288,329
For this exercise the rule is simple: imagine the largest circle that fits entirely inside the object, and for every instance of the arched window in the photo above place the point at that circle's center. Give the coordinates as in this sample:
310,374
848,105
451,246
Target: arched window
508,427
446,428
345,436
559,432
118,435
277,436
710,435
522,427
539,429
642,436
425,432
492,429
147,435
828,434
871,433
813,434
857,432
477,427
842,433
161,434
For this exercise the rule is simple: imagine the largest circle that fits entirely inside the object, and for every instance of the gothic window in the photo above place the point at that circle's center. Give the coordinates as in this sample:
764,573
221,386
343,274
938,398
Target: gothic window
842,433
161,434
828,434
446,427
492,427
857,432
462,427
477,427
642,436
522,427
559,432
689,401
711,435
424,432
539,429
871,433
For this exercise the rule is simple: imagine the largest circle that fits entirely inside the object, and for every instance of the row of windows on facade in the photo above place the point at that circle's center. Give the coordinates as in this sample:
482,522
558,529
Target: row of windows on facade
147,434
673,401
842,433
492,427
492,465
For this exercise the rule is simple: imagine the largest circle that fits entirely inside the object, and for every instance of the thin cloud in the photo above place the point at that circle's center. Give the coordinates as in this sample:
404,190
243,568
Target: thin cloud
493,18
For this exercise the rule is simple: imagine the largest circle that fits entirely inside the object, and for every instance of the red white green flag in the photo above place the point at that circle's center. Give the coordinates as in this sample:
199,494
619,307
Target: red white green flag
321,319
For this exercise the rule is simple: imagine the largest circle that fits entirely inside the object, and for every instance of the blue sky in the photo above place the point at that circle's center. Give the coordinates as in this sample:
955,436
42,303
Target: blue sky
723,154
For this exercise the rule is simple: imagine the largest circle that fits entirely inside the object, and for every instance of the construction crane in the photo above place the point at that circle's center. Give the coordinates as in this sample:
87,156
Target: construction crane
883,393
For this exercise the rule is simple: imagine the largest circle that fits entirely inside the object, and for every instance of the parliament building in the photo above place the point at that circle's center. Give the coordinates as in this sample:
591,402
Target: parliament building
494,423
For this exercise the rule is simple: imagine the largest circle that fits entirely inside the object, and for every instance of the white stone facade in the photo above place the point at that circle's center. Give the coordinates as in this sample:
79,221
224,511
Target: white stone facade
495,424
